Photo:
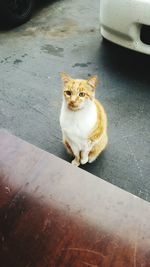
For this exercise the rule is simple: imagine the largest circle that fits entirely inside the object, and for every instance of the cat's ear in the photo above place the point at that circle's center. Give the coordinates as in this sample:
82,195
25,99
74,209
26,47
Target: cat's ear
65,77
92,81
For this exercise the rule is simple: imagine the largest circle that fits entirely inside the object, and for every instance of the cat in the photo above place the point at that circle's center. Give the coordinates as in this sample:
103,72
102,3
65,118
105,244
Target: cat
83,120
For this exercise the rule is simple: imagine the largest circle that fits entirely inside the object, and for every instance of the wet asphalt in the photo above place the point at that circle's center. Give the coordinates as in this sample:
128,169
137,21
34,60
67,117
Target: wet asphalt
64,36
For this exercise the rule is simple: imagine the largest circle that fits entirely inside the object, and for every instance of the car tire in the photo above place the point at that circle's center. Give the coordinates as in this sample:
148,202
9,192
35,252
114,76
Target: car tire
16,12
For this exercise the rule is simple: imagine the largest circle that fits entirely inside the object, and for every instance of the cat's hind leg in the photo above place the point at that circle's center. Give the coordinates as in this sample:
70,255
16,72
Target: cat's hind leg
97,149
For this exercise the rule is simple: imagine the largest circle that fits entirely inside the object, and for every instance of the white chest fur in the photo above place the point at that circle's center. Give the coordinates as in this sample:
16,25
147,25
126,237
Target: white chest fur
77,125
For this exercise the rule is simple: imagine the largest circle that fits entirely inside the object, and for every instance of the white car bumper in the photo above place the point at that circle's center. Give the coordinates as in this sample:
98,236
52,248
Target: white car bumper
122,22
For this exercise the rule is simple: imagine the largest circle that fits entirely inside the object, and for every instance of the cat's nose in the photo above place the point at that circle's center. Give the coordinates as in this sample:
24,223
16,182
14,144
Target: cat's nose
73,98
72,103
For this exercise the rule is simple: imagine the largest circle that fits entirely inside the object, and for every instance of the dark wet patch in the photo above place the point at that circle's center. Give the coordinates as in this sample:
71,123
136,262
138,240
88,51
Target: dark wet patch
24,55
82,65
55,51
17,61
92,30
6,58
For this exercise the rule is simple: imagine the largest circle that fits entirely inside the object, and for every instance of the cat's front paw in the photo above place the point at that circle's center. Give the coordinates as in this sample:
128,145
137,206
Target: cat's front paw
75,162
84,160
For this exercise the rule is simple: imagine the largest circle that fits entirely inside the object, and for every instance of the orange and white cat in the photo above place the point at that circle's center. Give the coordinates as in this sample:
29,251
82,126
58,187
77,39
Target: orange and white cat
83,120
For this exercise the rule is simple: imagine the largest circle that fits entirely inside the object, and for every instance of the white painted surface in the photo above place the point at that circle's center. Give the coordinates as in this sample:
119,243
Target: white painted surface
121,21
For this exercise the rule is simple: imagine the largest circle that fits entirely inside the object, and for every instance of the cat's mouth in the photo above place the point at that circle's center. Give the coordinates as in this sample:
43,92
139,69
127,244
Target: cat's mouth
73,107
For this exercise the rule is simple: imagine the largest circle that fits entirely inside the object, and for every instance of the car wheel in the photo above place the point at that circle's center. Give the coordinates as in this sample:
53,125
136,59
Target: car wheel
16,12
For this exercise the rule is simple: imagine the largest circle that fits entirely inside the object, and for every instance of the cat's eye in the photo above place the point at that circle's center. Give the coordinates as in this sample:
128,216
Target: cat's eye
68,93
81,94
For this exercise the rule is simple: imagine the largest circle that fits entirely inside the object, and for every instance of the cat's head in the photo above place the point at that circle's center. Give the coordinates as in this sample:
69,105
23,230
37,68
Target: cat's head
78,92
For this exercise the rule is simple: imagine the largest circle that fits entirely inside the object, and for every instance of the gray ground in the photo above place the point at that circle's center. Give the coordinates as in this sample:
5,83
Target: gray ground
64,36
